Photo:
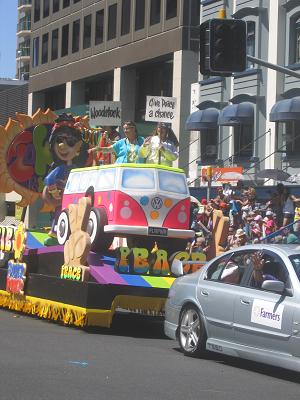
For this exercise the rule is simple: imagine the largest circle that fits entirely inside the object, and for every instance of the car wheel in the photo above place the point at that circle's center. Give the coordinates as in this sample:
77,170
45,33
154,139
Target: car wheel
100,241
192,334
63,228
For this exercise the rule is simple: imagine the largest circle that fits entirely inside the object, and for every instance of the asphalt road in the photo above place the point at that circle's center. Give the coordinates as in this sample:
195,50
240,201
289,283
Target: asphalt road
41,360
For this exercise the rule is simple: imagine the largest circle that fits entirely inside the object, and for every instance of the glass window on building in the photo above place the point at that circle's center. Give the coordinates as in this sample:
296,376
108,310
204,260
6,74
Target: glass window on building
55,6
75,36
250,42
209,144
171,9
152,80
45,40
66,3
37,10
87,31
292,138
155,12
35,51
112,22
65,40
46,8
297,41
243,141
99,27
139,14
55,98
99,89
125,24
54,44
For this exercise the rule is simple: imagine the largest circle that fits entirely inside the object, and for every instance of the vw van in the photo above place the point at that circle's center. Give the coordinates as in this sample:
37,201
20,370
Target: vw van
141,202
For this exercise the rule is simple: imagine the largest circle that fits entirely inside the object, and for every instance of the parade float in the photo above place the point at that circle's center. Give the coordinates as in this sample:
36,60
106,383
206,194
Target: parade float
89,273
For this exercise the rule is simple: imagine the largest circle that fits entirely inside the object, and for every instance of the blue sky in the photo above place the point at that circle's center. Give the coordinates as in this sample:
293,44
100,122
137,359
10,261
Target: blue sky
8,29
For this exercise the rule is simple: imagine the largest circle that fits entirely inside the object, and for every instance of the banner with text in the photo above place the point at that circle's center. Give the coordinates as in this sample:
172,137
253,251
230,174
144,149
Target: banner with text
105,113
160,109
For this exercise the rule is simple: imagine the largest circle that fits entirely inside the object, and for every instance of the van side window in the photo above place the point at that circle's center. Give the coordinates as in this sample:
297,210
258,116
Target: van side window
73,183
105,179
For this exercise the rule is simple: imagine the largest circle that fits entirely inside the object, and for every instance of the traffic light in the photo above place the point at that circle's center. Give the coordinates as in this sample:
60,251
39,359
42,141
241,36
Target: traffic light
223,46
227,45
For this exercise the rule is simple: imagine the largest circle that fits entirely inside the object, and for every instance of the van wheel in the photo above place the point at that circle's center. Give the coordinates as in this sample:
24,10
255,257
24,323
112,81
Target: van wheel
100,241
63,227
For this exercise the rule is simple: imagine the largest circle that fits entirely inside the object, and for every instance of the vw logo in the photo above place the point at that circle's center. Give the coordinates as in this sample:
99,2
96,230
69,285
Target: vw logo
156,203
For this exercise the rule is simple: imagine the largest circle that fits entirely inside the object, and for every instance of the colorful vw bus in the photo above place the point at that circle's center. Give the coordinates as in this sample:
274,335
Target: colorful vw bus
136,201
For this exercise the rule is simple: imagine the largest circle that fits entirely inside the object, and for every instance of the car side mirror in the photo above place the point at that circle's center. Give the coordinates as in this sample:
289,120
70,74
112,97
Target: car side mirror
273,286
177,267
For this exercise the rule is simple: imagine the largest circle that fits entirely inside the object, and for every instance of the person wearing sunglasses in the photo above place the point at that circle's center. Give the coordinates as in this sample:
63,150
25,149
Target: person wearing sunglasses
68,151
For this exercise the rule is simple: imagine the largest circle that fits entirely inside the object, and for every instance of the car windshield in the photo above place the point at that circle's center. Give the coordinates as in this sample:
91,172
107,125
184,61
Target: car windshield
295,259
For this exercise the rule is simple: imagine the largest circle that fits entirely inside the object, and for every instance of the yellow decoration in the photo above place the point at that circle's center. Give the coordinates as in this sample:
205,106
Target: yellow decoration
168,203
80,316
155,248
154,214
99,200
19,242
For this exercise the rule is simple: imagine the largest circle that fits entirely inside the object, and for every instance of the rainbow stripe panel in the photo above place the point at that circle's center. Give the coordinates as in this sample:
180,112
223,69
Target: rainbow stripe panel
106,275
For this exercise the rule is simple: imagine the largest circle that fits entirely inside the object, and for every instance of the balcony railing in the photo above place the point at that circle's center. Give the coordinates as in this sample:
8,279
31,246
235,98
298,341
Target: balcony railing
24,25
23,52
24,3
24,72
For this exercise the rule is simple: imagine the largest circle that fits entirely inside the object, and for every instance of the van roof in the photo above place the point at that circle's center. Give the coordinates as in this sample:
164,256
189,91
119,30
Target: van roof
145,166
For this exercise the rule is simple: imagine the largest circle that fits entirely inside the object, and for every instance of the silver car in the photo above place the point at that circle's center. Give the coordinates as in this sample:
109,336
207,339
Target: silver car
225,308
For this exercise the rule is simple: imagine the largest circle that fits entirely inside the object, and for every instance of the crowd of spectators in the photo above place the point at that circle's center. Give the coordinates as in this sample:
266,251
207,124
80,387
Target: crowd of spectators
276,220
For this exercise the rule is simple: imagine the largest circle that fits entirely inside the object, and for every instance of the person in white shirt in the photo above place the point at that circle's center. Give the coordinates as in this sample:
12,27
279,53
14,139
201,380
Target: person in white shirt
161,147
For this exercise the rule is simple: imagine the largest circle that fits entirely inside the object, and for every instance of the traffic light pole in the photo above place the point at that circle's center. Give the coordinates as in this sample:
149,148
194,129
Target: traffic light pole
274,66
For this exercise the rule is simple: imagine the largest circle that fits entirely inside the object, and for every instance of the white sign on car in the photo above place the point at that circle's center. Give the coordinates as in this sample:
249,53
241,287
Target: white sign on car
267,313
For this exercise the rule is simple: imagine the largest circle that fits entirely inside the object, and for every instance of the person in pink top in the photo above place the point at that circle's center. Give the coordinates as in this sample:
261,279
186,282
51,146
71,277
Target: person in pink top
269,223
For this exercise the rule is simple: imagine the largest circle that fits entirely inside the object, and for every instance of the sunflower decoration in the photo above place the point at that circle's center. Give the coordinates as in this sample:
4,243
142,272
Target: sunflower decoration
24,154
19,242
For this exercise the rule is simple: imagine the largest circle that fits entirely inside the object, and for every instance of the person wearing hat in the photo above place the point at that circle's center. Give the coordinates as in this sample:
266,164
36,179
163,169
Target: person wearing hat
240,238
161,147
68,151
269,223
126,150
292,239
257,227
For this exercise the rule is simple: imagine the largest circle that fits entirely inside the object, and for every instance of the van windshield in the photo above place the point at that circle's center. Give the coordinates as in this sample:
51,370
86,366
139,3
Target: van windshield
138,179
172,182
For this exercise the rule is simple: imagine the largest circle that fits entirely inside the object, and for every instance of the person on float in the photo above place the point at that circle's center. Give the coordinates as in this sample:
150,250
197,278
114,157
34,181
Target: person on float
160,148
68,151
108,137
126,150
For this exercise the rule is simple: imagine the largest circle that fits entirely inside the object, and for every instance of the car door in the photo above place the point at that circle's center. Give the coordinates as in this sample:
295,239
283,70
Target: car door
263,319
217,297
